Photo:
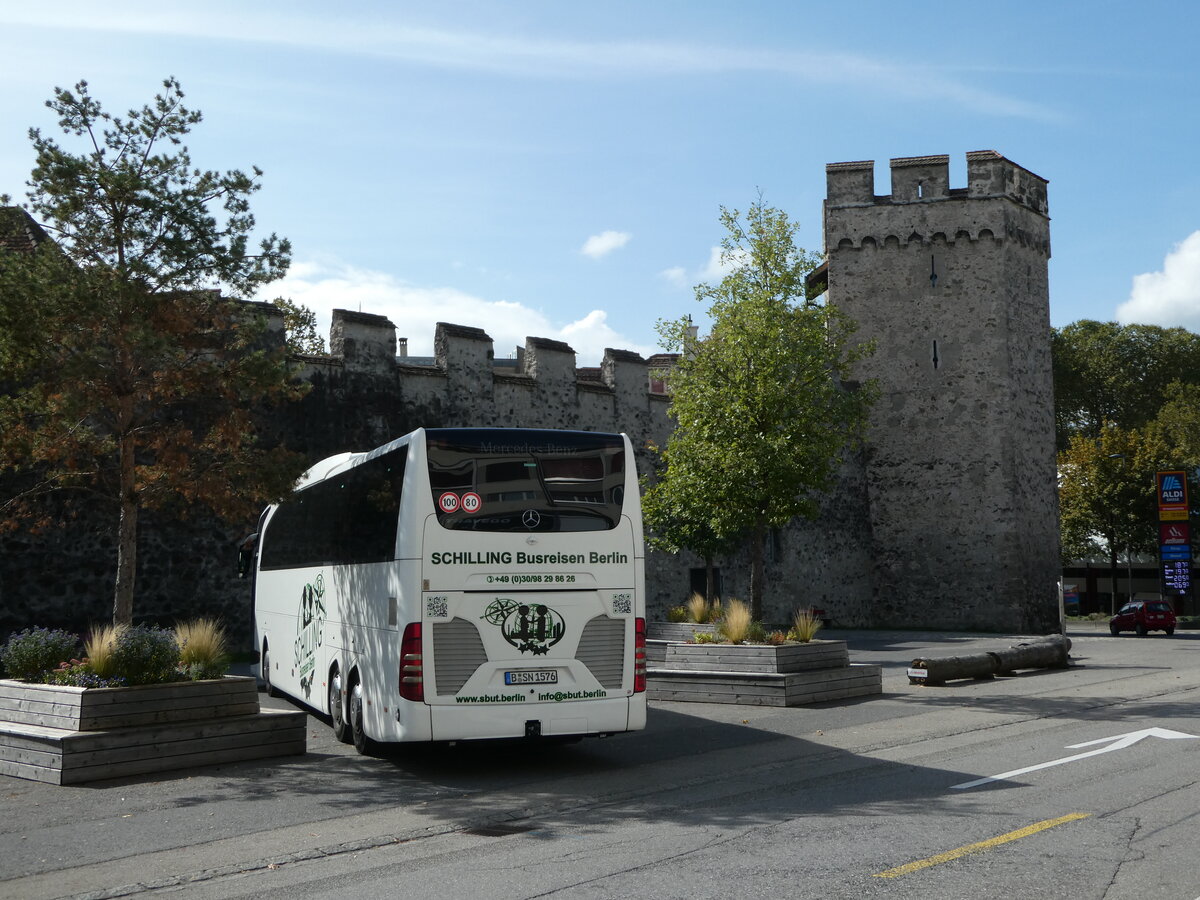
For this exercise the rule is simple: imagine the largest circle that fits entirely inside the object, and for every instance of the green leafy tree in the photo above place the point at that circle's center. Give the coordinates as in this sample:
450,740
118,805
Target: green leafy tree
300,325
129,373
763,410
1105,373
1127,403
676,516
1178,425
1107,497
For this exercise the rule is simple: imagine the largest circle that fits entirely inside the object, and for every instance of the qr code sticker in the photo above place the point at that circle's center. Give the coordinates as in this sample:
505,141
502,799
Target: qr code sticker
436,608
622,604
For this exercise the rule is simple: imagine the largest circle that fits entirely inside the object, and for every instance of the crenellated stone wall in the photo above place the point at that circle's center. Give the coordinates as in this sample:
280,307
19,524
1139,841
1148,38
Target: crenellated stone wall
363,395
947,520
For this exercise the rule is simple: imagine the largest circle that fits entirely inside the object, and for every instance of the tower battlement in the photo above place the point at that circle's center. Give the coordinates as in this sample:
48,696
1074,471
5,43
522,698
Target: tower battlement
926,179
1007,203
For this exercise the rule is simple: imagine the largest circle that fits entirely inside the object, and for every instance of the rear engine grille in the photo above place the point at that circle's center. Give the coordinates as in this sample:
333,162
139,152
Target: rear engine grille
602,650
457,653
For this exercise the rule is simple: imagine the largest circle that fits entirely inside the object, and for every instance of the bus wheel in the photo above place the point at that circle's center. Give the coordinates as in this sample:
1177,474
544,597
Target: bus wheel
341,729
362,743
266,673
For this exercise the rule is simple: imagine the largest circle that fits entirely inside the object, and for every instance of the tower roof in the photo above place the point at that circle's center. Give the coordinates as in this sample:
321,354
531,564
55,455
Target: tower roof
18,230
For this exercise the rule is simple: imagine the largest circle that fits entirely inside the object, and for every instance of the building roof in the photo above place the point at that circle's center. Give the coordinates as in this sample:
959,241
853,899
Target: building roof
18,230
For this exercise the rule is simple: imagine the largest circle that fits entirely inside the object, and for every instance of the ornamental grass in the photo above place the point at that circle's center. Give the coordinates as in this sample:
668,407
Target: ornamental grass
99,647
736,624
203,649
804,626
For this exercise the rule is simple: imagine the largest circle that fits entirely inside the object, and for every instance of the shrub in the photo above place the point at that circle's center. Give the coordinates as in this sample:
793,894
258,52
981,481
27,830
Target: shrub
145,654
35,651
677,614
202,649
735,625
79,673
804,626
99,647
704,637
775,638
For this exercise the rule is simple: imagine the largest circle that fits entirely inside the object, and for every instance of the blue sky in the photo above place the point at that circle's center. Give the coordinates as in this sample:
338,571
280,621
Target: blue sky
556,169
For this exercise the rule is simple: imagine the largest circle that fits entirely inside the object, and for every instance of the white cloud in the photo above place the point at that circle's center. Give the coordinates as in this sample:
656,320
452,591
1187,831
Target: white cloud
712,271
416,310
606,242
390,37
676,275
1170,297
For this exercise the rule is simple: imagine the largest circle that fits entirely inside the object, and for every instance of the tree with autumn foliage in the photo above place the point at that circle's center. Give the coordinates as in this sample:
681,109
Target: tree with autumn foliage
130,370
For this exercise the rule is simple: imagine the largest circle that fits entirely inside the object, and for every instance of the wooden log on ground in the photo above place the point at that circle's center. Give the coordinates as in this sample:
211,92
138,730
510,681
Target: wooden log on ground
939,670
1046,654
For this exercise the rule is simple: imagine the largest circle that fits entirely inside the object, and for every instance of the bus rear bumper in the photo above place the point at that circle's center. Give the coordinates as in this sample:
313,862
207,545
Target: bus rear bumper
469,721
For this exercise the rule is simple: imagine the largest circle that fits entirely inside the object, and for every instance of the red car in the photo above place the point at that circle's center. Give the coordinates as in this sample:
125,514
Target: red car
1143,616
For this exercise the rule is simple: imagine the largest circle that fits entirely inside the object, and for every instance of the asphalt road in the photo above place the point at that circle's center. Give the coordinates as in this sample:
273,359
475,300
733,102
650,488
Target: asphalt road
878,797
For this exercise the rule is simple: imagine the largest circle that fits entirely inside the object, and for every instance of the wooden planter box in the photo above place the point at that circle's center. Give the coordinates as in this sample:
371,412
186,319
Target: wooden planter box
767,688
781,658
70,735
759,674
677,631
96,709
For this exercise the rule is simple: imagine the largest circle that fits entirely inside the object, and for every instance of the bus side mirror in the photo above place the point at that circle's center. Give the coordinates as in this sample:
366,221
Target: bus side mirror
246,555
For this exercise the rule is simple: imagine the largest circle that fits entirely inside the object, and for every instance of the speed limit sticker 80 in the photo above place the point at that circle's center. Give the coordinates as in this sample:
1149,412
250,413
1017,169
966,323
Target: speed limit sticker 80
470,502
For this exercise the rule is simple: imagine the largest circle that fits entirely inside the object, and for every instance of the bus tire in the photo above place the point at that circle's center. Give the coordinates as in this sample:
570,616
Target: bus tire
362,743
337,709
268,688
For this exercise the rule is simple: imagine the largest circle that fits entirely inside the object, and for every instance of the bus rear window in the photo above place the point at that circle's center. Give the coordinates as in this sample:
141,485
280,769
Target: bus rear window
526,480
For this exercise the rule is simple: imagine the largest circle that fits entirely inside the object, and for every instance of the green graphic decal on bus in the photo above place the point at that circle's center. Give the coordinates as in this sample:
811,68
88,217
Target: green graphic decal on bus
530,627
310,627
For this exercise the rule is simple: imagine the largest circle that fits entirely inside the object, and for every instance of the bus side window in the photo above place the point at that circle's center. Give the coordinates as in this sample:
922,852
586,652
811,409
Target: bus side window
348,519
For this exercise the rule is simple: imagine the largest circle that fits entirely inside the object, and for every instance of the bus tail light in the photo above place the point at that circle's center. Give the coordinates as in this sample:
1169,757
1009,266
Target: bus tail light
639,655
412,678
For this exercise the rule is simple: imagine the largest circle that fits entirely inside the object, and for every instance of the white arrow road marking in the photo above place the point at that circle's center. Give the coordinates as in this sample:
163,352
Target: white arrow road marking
1116,742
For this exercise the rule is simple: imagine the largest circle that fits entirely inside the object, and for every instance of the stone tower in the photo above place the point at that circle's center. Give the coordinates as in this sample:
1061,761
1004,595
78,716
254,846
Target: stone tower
951,284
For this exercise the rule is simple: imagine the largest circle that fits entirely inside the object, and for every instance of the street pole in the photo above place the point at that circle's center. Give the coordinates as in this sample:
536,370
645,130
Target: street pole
1128,562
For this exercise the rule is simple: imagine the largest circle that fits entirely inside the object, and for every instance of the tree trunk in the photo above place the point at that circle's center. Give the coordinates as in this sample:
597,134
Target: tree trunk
757,542
1112,572
126,536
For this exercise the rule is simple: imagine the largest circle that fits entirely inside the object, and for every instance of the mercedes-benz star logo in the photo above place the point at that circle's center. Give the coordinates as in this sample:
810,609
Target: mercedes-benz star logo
531,519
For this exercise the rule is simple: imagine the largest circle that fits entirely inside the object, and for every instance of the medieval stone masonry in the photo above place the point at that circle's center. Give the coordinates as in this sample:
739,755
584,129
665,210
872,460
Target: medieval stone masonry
952,286
948,520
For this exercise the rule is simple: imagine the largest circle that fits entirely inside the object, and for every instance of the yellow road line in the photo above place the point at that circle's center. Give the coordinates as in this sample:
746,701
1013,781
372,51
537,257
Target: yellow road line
980,847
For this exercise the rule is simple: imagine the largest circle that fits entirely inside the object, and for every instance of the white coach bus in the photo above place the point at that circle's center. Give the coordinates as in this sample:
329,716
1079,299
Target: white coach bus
460,583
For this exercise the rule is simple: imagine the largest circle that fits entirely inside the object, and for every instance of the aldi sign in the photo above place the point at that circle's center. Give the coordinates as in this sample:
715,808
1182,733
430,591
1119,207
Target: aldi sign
1174,533
1172,492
